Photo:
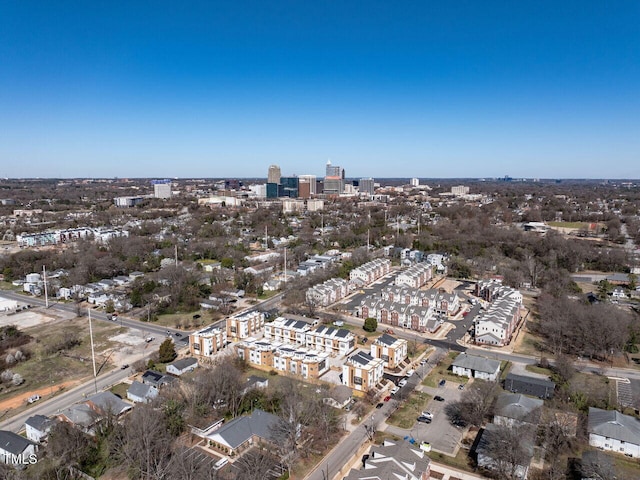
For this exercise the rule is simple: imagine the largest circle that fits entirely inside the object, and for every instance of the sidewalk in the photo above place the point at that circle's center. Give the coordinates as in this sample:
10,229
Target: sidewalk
450,473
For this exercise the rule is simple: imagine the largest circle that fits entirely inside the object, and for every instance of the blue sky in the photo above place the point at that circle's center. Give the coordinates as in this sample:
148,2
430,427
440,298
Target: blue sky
385,89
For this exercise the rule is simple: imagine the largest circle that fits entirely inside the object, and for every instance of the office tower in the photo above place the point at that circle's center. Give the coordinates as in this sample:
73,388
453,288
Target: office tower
311,180
274,174
366,185
272,190
288,187
334,179
415,182
161,188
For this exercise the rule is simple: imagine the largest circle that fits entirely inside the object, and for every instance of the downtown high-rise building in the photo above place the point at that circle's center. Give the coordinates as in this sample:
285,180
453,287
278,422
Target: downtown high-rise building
307,185
161,188
334,179
274,174
366,185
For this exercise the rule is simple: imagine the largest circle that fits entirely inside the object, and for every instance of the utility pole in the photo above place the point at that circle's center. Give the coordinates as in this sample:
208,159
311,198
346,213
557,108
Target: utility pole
285,265
46,295
176,254
93,354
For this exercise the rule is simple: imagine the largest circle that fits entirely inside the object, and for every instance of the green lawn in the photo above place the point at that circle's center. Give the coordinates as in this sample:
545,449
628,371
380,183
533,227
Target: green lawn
406,415
186,320
120,389
568,224
443,370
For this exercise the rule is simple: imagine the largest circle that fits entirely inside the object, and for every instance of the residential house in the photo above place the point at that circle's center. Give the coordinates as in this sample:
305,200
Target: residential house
107,403
516,409
255,381
338,397
397,460
81,416
37,427
242,433
612,431
331,340
534,386
474,366
141,393
486,453
362,372
182,366
208,341
245,325
392,351
156,379
16,450
287,330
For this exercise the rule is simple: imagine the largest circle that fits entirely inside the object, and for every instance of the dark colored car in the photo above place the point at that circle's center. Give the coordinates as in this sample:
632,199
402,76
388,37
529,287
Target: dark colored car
423,419
178,334
442,383
438,398
380,405
461,386
124,367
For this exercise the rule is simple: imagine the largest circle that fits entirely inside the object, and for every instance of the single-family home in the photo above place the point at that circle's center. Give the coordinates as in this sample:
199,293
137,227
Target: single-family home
254,381
38,427
243,432
474,366
516,409
338,397
16,450
141,393
182,366
611,430
106,403
487,448
156,379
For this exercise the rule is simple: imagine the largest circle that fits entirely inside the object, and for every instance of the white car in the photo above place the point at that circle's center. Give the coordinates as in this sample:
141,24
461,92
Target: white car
429,415
402,382
410,372
395,390
33,398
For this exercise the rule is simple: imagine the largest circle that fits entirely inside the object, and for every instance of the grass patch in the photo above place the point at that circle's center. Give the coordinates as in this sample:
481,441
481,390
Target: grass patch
461,461
120,389
186,321
529,344
540,370
568,224
406,415
592,390
443,370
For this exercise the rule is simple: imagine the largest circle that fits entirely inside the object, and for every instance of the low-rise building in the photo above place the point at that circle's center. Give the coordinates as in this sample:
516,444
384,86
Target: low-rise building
339,341
392,351
331,291
474,366
141,393
415,276
537,387
208,341
182,366
287,330
612,431
362,372
245,325
516,409
38,427
393,460
16,450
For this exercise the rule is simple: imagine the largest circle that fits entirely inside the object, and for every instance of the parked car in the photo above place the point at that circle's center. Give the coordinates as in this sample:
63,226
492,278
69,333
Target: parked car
394,390
442,383
402,382
423,419
438,398
33,398
149,339
380,405
410,372
178,334
124,367
461,386
427,414
387,398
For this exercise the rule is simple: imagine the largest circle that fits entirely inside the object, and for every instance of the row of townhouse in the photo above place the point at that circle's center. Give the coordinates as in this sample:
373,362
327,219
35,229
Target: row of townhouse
294,360
415,276
55,237
370,271
491,289
329,292
244,325
443,303
287,330
208,341
498,323
392,351
420,319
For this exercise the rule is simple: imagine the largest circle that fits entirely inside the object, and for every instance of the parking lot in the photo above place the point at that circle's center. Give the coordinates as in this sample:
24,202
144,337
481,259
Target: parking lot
440,433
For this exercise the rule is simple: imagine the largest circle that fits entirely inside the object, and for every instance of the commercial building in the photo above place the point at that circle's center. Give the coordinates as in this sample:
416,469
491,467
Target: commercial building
161,188
334,179
274,174
366,186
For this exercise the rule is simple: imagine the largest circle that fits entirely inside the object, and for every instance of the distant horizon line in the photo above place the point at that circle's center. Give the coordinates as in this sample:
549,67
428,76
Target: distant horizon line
506,178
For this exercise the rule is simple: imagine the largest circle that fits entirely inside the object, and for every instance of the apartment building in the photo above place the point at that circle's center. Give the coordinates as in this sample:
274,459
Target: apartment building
293,360
207,342
329,292
337,341
362,372
392,351
245,325
415,276
287,330
498,323
370,271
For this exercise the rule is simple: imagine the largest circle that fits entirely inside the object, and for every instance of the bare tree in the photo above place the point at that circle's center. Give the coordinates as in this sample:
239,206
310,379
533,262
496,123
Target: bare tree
510,449
254,464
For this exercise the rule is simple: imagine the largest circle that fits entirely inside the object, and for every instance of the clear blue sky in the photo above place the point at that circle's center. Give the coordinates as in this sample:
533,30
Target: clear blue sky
385,89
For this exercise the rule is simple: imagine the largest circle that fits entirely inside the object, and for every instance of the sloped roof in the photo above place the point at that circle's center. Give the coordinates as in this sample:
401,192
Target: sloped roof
386,339
613,424
241,429
81,415
184,363
13,443
516,406
474,362
140,390
39,422
109,402
392,461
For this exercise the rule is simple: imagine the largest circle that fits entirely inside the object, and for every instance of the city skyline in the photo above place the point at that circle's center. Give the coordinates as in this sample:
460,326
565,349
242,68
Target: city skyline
533,89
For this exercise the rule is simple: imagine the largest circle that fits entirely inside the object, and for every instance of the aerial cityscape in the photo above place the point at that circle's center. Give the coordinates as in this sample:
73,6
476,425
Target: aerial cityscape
342,241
